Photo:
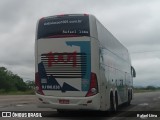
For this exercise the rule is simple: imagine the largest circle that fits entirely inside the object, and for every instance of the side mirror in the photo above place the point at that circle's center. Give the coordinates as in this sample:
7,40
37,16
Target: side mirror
133,72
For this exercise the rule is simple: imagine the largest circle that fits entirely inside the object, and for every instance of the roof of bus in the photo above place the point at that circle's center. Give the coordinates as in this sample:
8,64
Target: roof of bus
63,15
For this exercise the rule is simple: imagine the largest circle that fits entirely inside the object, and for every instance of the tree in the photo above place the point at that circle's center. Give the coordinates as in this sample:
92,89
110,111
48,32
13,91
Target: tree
30,84
150,88
10,81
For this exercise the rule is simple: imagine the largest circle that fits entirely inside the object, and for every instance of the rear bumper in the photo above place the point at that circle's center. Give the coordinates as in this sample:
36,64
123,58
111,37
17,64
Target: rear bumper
75,103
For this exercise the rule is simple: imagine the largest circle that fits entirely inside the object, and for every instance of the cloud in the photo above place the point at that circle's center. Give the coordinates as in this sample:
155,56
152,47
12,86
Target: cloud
147,68
134,23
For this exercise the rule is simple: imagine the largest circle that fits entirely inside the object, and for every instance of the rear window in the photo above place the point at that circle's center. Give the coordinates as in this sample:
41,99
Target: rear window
65,25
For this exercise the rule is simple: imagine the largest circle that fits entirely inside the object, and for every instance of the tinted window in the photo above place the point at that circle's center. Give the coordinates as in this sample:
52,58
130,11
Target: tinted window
63,26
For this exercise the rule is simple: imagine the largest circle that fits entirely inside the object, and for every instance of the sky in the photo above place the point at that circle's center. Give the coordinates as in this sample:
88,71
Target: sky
135,23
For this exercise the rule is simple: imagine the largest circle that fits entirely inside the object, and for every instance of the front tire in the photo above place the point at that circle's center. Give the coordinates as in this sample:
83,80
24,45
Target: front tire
129,99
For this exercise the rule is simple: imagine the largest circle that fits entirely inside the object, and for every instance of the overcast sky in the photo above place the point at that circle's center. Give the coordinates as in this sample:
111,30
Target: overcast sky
135,23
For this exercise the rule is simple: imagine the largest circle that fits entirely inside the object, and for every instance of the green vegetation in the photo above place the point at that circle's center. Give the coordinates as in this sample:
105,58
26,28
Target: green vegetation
146,89
13,84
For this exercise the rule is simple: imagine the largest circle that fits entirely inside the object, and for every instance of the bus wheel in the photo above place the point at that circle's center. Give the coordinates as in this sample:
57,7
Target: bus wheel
131,95
113,103
116,101
129,99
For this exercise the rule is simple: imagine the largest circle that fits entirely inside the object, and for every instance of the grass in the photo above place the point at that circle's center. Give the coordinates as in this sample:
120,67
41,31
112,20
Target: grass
28,92
142,90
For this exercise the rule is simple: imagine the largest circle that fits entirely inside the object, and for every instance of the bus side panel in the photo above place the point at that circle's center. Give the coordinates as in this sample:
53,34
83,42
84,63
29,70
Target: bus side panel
36,56
95,58
117,64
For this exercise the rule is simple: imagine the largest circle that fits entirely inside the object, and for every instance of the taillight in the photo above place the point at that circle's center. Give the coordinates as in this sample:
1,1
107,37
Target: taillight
93,89
86,14
38,84
60,15
42,19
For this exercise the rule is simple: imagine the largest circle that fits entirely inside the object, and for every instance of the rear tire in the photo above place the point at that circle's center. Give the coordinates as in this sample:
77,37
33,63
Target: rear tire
113,103
116,100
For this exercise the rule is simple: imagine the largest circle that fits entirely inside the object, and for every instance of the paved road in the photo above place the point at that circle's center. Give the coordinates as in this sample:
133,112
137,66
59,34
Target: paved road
149,102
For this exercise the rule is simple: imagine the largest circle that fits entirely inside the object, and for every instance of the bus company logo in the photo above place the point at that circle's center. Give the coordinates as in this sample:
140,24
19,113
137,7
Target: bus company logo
6,114
54,58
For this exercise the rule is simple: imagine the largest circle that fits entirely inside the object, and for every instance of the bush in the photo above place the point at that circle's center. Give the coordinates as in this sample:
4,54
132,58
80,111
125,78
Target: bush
150,88
11,82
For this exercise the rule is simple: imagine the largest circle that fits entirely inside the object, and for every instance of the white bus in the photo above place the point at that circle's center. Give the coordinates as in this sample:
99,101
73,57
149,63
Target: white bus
80,65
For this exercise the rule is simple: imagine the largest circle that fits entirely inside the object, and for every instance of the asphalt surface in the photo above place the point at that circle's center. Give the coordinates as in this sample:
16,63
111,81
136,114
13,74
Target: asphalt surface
143,106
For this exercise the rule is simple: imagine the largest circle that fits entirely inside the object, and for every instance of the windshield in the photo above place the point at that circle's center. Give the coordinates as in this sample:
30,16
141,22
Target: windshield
66,25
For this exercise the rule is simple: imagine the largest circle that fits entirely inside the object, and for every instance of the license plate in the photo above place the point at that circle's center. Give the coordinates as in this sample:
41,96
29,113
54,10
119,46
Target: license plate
63,101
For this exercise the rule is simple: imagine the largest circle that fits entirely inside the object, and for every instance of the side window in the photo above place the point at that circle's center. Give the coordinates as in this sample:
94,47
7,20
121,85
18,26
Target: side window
133,72
101,55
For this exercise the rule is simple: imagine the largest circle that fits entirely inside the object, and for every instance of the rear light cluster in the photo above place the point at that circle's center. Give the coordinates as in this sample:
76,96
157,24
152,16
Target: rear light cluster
38,84
93,89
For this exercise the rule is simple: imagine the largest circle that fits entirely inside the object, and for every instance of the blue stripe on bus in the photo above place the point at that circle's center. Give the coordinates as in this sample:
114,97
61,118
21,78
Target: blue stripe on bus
51,83
84,48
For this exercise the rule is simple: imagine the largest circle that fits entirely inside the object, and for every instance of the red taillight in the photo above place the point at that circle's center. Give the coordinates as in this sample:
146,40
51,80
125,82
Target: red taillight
42,19
61,15
38,84
86,14
93,89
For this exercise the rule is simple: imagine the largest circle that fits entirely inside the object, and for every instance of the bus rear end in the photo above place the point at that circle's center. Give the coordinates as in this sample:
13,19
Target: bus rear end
63,77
